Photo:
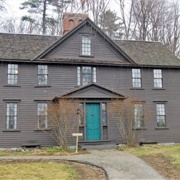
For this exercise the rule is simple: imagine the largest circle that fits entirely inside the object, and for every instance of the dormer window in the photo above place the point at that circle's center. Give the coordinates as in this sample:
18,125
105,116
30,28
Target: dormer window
86,45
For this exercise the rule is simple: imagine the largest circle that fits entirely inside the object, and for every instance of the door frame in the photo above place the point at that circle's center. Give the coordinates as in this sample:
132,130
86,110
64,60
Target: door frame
100,121
100,101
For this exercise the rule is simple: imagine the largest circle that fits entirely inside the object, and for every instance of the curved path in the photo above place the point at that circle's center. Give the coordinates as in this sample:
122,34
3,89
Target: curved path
118,165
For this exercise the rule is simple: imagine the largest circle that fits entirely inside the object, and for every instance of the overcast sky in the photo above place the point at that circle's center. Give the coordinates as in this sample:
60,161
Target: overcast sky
13,7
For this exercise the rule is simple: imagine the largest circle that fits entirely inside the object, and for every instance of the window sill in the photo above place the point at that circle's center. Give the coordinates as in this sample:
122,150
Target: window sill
42,86
11,130
11,85
158,89
161,128
137,88
139,128
90,56
47,129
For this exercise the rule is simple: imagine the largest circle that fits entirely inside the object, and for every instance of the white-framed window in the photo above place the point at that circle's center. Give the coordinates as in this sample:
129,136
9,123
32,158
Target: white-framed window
138,115
104,113
136,78
158,79
86,45
42,115
86,75
160,115
42,74
12,76
11,115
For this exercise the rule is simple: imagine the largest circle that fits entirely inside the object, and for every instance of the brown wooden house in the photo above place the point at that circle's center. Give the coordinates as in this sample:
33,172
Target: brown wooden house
85,64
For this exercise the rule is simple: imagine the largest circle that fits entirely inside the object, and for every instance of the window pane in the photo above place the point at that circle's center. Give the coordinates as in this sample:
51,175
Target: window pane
94,74
157,73
81,114
160,110
86,75
139,115
42,79
12,74
104,114
157,83
86,45
78,76
136,73
42,115
42,74
136,78
11,115
157,78
161,121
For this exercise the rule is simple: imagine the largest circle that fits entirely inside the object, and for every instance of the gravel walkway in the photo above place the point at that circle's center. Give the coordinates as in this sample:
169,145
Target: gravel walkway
118,165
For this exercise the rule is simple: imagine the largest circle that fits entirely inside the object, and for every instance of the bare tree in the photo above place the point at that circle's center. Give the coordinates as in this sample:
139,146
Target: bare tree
130,115
63,120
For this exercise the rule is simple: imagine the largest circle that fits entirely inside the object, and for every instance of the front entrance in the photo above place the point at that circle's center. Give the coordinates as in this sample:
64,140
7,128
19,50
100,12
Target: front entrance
93,125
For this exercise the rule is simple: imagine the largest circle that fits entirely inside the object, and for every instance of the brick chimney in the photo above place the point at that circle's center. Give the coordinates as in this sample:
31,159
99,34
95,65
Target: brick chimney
70,20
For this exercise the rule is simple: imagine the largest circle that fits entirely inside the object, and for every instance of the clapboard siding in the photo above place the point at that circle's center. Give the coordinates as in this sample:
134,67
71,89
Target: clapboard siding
101,49
63,78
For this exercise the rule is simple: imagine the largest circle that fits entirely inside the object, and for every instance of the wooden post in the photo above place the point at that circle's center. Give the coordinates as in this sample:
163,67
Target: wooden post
77,139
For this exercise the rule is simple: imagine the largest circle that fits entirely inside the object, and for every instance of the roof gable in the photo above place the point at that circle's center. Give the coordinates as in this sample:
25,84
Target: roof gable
68,47
92,91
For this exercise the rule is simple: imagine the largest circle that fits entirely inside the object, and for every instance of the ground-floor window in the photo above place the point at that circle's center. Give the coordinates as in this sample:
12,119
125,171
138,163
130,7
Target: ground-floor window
42,115
11,116
139,115
160,115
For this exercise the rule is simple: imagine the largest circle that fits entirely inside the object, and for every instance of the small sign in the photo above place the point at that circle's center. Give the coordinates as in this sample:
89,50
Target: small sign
77,134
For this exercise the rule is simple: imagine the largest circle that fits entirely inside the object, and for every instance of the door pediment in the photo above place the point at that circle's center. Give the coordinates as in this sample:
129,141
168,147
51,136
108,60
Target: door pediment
92,91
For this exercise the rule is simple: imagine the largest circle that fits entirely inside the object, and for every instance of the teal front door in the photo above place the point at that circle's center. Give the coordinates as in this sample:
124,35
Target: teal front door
93,125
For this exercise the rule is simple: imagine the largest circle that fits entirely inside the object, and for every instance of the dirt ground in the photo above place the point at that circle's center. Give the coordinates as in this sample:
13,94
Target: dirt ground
163,166
87,172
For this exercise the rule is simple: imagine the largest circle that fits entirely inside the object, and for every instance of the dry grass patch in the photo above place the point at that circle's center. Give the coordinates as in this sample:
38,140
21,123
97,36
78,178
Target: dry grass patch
46,151
36,170
164,158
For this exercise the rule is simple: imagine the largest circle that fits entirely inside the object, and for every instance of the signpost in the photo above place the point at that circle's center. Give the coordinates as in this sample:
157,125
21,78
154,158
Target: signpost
77,138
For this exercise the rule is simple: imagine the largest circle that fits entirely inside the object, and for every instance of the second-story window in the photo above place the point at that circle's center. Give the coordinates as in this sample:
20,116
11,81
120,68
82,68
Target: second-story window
12,78
42,74
86,45
158,81
136,78
86,75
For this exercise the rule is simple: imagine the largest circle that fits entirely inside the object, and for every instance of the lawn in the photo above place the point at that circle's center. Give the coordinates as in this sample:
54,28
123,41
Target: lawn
37,170
164,158
56,151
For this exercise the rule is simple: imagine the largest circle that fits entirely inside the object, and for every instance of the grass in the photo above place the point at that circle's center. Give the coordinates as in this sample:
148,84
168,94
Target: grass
37,170
171,152
42,151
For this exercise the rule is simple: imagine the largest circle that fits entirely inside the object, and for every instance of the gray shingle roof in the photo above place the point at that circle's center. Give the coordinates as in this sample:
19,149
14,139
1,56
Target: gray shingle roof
23,46
148,53
26,47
